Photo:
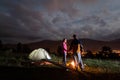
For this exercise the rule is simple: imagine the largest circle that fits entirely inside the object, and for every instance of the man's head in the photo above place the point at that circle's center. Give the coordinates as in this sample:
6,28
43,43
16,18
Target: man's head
74,36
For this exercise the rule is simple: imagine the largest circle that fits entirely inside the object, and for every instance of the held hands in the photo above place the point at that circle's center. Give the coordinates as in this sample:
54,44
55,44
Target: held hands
70,52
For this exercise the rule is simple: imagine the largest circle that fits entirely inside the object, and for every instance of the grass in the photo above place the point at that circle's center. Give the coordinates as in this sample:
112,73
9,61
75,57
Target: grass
102,66
96,65
91,65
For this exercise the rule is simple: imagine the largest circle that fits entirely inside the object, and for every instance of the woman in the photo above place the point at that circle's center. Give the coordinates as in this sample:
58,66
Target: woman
64,46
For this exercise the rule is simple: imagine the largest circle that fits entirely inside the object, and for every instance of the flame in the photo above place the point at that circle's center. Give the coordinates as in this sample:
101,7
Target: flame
72,63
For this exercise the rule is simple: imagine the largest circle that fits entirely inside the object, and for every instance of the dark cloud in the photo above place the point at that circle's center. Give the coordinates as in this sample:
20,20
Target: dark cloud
112,35
31,20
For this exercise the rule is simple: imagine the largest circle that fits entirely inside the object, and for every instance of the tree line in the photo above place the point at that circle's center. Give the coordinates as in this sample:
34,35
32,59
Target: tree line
104,53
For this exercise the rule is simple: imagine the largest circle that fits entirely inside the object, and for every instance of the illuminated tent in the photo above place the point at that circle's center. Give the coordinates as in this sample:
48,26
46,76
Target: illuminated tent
39,54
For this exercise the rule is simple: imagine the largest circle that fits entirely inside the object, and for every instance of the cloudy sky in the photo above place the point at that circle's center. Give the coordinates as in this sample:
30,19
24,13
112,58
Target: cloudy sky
35,20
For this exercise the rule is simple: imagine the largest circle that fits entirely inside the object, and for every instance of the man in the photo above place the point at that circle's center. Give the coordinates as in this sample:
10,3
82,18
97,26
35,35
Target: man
76,48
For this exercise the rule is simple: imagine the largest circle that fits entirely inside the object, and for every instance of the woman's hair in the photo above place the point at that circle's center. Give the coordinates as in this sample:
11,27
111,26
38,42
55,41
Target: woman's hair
63,39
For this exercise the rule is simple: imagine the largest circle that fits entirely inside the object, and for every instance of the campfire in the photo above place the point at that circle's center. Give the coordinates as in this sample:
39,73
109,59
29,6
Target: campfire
71,64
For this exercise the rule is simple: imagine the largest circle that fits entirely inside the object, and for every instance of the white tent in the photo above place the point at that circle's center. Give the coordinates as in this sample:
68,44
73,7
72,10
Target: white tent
39,54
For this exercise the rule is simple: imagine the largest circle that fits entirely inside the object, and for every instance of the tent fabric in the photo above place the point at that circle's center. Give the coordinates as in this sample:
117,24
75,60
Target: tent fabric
39,54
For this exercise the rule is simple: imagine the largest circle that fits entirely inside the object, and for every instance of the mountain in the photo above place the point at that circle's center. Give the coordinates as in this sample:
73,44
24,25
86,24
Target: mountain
89,44
54,46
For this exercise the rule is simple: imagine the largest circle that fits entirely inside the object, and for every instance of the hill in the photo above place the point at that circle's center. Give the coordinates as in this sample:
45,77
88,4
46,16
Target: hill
89,44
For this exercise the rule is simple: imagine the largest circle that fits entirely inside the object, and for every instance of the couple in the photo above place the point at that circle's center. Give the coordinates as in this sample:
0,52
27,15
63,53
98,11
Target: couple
77,50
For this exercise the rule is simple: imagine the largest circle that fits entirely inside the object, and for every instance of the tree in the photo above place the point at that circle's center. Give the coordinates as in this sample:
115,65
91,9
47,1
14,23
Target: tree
89,54
60,50
105,52
19,47
1,45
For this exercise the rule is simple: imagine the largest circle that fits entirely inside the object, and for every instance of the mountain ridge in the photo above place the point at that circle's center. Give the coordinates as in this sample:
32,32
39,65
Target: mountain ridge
89,44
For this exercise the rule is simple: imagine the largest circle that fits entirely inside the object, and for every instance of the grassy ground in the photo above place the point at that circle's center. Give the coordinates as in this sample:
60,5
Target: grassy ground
97,65
91,65
102,66
95,69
